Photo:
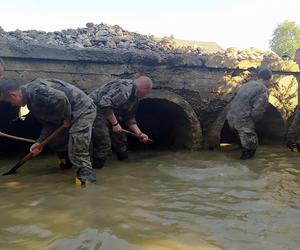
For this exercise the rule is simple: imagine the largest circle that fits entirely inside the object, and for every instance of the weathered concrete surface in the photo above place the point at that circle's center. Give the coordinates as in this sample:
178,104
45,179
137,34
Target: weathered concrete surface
202,92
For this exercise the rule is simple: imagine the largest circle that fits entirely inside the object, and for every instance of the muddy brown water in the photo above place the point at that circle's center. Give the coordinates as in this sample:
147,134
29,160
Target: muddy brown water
156,200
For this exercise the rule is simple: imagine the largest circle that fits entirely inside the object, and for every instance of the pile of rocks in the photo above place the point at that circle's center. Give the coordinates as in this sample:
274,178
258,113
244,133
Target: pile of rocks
102,36
95,36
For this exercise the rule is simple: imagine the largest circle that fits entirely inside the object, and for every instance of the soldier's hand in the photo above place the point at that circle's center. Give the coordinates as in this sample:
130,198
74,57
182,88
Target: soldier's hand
66,124
143,137
117,129
36,148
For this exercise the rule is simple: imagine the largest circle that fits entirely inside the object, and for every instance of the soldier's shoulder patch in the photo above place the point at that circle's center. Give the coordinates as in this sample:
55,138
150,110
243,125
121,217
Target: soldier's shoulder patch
119,97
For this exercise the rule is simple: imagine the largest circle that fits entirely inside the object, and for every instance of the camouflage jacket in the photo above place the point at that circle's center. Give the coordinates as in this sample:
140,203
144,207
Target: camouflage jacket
52,101
248,105
117,96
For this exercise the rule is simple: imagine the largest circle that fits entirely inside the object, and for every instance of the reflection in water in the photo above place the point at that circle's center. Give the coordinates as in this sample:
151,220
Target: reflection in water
156,200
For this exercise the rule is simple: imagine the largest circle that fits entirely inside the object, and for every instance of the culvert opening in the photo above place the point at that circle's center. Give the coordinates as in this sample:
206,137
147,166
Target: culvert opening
228,135
11,124
270,129
165,122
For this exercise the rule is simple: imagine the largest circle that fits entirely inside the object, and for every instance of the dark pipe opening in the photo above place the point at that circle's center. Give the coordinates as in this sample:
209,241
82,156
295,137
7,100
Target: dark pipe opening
165,122
270,129
10,123
228,135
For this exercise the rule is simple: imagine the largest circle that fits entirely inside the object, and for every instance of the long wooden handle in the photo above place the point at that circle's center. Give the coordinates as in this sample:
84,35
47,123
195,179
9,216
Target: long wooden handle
133,134
19,164
30,155
53,134
16,137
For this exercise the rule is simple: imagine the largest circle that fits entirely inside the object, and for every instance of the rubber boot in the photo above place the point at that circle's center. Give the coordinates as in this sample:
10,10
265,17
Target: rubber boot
247,154
85,175
122,156
65,163
98,163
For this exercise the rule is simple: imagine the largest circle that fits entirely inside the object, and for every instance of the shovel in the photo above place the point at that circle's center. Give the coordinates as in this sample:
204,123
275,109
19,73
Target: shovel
30,155
16,137
134,135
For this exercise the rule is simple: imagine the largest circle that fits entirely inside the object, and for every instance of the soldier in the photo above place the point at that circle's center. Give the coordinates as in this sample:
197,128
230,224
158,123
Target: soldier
246,108
116,101
2,67
293,134
54,102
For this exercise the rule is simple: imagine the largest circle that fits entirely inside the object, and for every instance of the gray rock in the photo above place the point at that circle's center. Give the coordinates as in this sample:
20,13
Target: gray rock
90,25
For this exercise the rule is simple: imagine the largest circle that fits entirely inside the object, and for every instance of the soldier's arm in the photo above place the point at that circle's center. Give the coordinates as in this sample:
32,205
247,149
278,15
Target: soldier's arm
112,119
135,129
110,116
112,99
259,105
132,124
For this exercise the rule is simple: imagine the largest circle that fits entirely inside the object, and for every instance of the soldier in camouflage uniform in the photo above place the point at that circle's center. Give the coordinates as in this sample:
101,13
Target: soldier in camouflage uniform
54,102
2,67
246,108
293,133
116,101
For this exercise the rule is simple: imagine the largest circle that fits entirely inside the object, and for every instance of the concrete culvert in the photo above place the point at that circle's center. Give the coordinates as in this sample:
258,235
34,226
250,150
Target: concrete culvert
10,123
228,135
270,129
169,121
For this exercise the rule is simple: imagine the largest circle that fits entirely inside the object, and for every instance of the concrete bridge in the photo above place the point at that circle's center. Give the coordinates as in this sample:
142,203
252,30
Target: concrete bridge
187,106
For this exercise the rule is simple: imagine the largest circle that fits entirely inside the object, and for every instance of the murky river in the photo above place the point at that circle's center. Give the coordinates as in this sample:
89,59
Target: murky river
156,200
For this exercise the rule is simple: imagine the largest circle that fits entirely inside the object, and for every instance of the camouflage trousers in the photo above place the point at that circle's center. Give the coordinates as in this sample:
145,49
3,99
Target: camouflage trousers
74,142
293,133
247,134
104,139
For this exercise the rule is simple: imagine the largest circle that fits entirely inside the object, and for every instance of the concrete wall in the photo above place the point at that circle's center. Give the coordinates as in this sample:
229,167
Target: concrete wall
200,92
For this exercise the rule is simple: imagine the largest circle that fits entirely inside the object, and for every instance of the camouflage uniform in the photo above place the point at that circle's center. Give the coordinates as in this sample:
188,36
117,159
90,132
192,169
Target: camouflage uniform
119,97
52,101
293,133
246,108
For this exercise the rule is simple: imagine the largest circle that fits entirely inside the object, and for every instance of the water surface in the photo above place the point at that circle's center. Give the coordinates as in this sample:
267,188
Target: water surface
156,200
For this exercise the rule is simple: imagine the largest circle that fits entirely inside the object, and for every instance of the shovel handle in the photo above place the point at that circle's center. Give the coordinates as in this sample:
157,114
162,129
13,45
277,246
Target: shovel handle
30,155
134,135
16,137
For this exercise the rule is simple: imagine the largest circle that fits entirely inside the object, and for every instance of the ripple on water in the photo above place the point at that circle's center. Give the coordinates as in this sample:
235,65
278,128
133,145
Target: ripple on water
168,201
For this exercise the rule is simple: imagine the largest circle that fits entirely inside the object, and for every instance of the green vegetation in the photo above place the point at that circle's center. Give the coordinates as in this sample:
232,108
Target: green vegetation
285,38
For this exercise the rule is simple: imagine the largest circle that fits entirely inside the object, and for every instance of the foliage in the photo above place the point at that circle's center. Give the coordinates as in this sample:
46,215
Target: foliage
285,38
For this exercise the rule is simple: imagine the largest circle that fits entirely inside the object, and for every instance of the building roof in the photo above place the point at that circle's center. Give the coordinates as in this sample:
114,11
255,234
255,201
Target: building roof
209,46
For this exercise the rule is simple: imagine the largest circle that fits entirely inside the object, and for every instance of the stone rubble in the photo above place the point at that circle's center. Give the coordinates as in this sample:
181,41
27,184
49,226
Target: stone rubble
102,36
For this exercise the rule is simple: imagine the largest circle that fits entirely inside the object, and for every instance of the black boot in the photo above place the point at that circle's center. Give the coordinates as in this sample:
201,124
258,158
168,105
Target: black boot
98,163
65,163
247,154
122,156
